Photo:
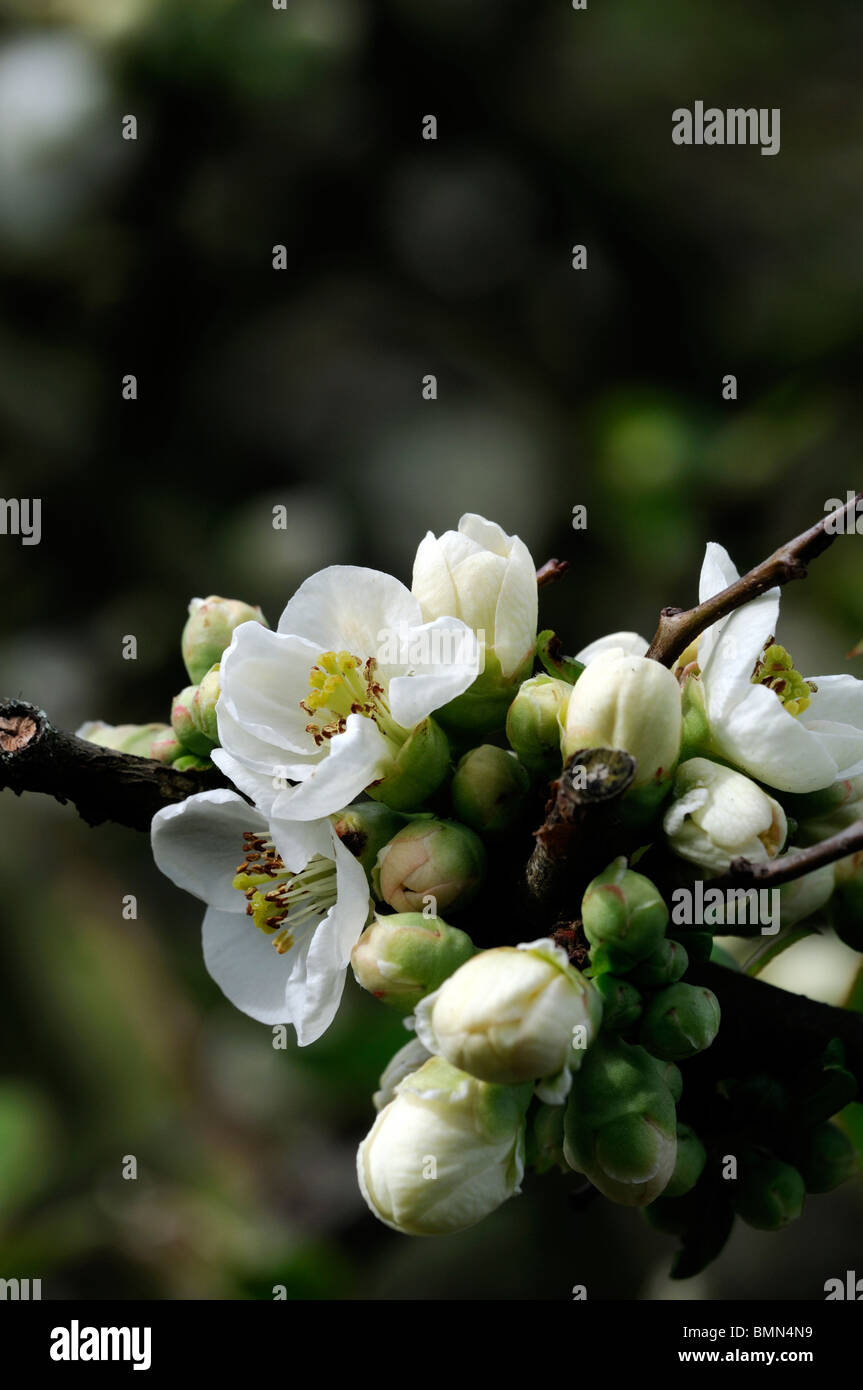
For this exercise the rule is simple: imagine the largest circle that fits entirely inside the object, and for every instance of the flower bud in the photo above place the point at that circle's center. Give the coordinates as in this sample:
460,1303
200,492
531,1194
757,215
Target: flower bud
487,579
185,724
620,1127
689,1164
404,1063
514,1014
621,1002
209,629
664,966
823,813
545,1139
769,1193
489,789
534,722
624,918
422,764
401,958
430,859
680,1021
716,814
826,1159
444,1153
154,741
365,827
632,703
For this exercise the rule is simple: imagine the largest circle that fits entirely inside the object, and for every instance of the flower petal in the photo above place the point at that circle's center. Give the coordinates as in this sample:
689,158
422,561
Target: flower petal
347,608
630,643
451,665
198,843
246,968
729,649
761,738
517,613
354,760
263,676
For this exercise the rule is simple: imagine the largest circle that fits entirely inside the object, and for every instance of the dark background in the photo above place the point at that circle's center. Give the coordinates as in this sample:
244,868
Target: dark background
303,387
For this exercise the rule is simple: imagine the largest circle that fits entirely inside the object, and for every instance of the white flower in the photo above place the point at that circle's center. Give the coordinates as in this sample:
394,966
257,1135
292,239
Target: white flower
717,814
330,699
488,579
630,643
445,1152
285,904
749,725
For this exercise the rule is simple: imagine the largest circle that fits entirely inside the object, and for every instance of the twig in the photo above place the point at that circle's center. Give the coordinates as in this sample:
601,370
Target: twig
743,873
102,784
582,815
680,626
550,571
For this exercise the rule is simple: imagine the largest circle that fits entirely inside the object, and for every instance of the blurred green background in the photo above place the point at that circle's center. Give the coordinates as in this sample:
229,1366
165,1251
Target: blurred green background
405,257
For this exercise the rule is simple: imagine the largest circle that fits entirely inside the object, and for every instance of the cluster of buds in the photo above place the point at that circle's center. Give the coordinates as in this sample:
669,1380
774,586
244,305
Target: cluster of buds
394,790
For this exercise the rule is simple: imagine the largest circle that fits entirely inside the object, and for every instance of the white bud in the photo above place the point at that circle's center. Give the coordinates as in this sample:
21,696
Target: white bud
627,702
444,1153
717,814
514,1014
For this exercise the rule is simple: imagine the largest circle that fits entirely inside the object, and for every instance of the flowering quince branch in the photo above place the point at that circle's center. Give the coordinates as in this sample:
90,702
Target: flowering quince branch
102,784
678,627
387,750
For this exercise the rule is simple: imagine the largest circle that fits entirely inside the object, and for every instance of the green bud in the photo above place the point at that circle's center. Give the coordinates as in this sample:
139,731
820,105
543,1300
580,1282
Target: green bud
422,765
680,1021
534,722
689,1165
190,762
624,918
403,957
620,1127
621,1002
826,1159
514,1014
673,1078
154,741
209,629
545,1139
769,1194
483,706
364,828
437,860
185,724
695,737
489,789
664,966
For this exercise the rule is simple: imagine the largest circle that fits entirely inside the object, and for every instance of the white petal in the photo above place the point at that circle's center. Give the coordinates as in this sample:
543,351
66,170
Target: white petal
760,737
630,643
245,966
838,699
198,844
257,785
487,534
434,682
517,609
264,675
432,582
355,759
729,649
844,745
298,841
346,608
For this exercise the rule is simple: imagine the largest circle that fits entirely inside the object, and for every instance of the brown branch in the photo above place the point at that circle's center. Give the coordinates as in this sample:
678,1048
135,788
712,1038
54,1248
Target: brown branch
743,873
678,627
580,818
550,571
102,784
